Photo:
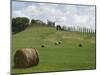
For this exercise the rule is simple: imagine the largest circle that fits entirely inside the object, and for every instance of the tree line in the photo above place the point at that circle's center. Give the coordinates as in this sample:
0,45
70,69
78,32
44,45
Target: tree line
78,29
21,23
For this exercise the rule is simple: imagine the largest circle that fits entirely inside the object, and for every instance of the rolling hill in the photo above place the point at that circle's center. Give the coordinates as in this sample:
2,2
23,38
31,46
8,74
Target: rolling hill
61,57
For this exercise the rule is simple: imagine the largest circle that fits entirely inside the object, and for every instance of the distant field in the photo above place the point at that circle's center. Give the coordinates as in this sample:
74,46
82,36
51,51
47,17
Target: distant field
65,56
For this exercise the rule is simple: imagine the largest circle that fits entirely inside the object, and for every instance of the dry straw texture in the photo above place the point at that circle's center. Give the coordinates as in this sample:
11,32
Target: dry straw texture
26,57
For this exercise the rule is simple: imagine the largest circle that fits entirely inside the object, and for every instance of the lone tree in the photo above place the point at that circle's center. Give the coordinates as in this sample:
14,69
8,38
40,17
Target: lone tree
19,24
58,28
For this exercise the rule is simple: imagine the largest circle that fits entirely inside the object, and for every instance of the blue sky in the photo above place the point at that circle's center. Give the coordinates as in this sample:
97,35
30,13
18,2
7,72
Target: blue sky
63,14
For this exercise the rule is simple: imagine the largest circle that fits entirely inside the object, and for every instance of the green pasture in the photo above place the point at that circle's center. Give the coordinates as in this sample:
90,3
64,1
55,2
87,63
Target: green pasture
62,57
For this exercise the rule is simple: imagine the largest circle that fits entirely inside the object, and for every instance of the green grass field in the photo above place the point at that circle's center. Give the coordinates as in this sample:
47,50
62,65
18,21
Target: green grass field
65,56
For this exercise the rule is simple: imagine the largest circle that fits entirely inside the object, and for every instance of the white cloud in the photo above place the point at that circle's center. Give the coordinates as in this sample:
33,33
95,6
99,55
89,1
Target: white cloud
61,14
81,19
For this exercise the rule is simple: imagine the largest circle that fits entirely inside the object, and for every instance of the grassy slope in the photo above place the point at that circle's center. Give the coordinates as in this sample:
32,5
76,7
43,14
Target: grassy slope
66,56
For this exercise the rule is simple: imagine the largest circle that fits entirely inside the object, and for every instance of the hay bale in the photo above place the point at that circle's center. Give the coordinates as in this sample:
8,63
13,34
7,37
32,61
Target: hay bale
59,42
56,43
80,45
26,57
42,46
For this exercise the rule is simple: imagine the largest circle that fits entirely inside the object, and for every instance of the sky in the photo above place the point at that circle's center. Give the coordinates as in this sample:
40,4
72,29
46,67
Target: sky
61,14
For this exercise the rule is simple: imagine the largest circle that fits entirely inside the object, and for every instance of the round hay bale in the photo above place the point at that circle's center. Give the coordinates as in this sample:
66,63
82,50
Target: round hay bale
59,42
42,46
26,57
56,43
80,45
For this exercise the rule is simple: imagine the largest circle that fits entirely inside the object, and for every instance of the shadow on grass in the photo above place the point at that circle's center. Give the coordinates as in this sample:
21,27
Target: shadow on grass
16,67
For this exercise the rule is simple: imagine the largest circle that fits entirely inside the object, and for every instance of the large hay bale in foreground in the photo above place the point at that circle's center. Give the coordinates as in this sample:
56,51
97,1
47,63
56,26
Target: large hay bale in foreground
26,57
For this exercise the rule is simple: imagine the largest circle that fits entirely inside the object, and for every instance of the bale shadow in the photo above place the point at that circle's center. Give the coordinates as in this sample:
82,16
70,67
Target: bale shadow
15,67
